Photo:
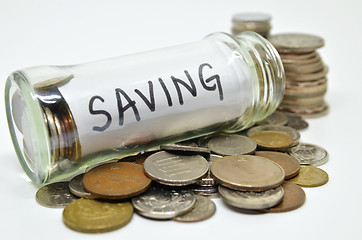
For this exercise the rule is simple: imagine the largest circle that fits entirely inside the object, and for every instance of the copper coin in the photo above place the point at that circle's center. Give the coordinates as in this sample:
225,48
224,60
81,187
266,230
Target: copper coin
273,140
310,176
294,197
247,173
289,163
116,180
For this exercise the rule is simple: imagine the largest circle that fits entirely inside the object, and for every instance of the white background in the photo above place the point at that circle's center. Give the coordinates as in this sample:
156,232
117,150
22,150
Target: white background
68,32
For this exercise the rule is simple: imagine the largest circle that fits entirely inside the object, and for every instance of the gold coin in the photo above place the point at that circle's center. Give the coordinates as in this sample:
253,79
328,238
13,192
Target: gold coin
273,140
310,176
91,216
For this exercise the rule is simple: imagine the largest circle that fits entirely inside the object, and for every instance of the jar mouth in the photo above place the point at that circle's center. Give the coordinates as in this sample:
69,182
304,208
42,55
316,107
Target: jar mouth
27,129
267,72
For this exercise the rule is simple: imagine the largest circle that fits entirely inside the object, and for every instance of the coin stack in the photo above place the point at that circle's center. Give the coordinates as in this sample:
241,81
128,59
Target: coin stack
256,22
306,74
261,169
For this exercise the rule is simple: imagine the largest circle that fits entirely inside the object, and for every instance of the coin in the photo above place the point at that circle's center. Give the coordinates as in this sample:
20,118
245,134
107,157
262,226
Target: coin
288,130
273,140
247,173
55,195
252,200
163,203
294,197
203,209
91,216
175,170
207,180
118,180
257,22
76,187
310,176
276,118
290,165
188,149
296,42
232,145
309,154
296,122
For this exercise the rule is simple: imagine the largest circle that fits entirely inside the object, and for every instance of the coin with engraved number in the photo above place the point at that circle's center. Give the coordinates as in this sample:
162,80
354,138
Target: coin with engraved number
251,200
203,209
55,195
294,197
118,180
309,154
91,216
296,42
273,140
247,173
77,188
175,170
160,202
228,145
288,130
310,176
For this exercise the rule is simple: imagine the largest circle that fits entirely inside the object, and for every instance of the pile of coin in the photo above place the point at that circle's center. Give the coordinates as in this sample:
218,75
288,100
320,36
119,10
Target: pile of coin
256,22
259,169
306,74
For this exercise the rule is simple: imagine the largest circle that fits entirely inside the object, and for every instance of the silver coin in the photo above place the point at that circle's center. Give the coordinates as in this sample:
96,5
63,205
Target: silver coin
296,122
296,42
76,187
208,180
55,195
251,17
228,145
163,203
203,209
252,200
175,170
187,149
204,190
309,154
276,118
288,130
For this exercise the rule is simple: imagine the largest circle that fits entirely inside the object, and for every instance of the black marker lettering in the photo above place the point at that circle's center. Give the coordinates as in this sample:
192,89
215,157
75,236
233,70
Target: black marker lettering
167,93
216,77
122,109
150,103
191,89
93,112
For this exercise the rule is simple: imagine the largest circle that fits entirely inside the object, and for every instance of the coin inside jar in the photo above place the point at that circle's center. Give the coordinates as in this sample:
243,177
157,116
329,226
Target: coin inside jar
247,173
118,180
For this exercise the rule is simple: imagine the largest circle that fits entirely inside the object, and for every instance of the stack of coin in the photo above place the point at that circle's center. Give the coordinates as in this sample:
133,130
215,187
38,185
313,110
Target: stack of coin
306,74
256,22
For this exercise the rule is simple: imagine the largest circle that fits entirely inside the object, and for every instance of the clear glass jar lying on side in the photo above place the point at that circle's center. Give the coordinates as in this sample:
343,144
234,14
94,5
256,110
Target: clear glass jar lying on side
63,119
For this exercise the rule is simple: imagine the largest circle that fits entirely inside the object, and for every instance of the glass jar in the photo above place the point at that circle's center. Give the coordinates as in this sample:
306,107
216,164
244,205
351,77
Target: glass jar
63,119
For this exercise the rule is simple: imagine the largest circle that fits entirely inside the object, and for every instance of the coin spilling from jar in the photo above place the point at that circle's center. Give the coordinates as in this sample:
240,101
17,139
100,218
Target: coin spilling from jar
263,168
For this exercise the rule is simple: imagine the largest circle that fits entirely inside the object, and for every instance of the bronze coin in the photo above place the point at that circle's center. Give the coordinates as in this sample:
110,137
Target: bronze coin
289,163
310,176
294,197
273,140
247,173
116,180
